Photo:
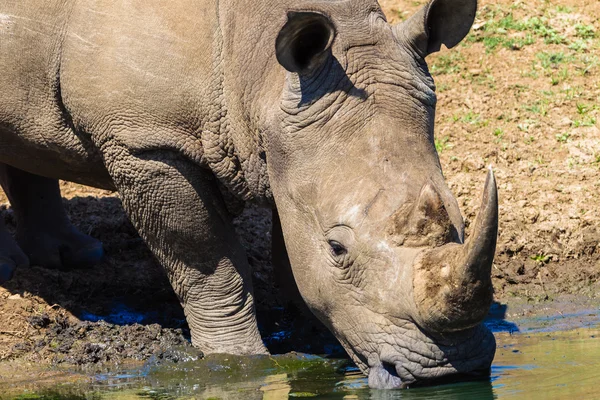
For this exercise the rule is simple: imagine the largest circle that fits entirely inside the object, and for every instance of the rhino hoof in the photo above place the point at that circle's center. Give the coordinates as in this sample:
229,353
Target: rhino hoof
87,256
7,270
64,250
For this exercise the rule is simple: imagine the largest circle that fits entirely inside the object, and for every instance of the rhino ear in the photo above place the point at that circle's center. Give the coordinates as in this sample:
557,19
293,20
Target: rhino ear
440,22
304,41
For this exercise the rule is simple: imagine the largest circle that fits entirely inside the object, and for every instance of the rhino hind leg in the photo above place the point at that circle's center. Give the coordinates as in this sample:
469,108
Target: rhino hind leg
44,231
11,255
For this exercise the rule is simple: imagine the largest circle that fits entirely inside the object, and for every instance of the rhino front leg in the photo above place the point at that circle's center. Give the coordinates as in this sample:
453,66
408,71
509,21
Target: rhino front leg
178,210
44,231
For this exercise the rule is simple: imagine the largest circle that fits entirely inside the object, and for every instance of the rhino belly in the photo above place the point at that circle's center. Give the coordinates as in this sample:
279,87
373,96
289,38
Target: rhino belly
74,161
36,133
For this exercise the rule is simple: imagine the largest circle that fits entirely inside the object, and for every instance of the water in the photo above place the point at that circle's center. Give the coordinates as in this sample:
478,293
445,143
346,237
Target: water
537,365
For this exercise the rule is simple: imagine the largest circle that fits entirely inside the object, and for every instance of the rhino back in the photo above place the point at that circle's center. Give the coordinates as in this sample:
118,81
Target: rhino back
194,77
142,70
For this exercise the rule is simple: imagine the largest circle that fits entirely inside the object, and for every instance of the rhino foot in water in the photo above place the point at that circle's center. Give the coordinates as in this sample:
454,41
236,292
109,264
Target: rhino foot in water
318,108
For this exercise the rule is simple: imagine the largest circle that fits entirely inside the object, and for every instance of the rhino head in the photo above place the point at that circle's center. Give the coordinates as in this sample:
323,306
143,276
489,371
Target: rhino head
374,236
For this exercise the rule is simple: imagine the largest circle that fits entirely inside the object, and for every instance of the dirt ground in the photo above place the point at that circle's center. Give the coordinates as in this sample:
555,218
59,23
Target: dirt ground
521,93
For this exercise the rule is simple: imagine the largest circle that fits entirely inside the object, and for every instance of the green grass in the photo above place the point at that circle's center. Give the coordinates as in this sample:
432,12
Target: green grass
442,87
585,121
471,118
447,64
526,126
529,139
442,144
518,43
400,14
538,107
589,62
499,134
585,31
501,29
542,28
582,108
564,9
491,43
552,59
540,258
579,45
563,137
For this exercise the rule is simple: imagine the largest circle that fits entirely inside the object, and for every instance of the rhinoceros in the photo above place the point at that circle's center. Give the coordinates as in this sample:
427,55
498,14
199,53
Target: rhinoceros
320,109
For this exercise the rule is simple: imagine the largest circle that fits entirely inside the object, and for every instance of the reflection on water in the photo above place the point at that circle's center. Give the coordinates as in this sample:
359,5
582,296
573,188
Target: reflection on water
559,365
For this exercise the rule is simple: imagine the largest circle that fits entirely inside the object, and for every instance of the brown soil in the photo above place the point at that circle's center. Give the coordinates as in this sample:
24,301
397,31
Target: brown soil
521,94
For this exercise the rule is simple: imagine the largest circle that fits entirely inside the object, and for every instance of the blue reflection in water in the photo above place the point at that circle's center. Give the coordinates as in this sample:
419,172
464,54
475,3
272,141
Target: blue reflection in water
121,314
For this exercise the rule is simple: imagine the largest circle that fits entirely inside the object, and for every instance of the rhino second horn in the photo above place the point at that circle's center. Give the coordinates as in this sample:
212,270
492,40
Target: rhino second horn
452,284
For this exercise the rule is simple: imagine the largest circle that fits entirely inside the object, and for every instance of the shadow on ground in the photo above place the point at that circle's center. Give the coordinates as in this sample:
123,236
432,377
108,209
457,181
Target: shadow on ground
125,306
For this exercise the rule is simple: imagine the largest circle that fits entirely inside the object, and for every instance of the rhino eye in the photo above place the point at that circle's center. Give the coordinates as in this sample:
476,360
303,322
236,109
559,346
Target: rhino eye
337,249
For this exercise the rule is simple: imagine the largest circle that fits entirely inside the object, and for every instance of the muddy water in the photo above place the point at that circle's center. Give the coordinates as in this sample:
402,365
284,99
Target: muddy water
534,365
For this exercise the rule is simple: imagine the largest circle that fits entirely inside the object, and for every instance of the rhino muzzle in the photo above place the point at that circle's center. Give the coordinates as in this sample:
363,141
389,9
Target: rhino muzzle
464,356
452,283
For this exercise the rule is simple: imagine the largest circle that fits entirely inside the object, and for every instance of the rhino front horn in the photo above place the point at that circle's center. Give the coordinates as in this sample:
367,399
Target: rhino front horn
452,283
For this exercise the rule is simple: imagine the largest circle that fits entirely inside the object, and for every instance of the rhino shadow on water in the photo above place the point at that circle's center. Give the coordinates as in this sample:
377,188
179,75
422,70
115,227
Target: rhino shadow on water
319,109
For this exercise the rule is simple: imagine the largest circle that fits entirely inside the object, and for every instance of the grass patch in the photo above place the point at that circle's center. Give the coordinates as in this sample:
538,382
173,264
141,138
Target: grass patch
586,121
583,108
472,118
564,9
442,144
552,59
447,64
585,31
501,29
563,137
579,45
538,107
492,42
589,62
540,258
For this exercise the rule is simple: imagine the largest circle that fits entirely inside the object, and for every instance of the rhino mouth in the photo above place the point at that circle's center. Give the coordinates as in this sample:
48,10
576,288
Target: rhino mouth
387,376
424,361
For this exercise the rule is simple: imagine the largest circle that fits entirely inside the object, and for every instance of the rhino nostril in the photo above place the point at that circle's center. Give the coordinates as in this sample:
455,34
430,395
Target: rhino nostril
390,368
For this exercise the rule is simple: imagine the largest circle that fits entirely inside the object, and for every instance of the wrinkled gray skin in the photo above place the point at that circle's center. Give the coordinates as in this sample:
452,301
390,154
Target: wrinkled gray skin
189,108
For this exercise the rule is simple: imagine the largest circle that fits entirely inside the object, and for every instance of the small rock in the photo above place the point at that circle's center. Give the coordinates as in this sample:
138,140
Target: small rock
39,321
